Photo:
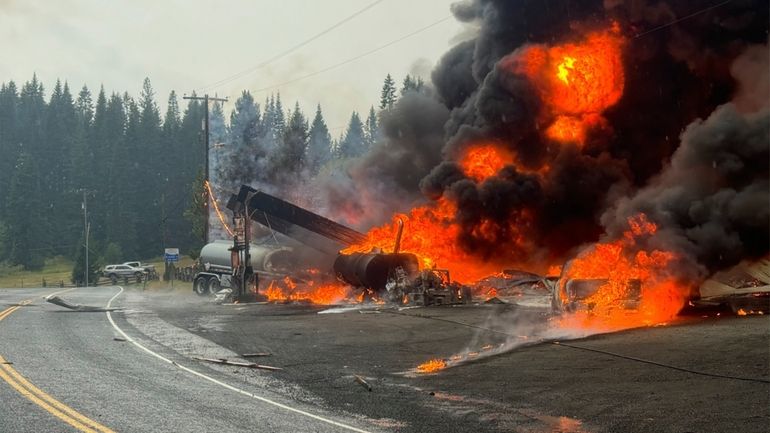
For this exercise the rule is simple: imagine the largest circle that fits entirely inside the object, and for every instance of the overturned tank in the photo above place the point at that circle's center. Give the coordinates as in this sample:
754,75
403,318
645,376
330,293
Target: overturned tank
373,270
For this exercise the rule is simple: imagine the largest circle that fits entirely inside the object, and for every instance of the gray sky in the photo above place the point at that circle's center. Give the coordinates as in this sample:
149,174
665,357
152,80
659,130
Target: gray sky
188,44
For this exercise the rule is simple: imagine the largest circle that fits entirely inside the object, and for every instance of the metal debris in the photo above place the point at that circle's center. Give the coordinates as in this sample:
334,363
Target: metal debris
238,364
254,355
77,307
362,382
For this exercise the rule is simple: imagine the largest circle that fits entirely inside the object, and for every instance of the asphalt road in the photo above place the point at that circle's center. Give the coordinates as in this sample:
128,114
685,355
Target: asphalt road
69,373
530,388
66,371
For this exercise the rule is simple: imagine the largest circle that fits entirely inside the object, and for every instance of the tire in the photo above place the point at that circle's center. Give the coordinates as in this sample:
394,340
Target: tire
138,276
200,286
213,285
113,279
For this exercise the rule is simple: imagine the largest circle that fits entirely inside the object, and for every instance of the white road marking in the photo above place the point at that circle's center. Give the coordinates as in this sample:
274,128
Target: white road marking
222,384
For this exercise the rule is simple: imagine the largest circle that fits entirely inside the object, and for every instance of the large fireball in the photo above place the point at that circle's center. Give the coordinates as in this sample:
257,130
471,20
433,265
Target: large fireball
577,82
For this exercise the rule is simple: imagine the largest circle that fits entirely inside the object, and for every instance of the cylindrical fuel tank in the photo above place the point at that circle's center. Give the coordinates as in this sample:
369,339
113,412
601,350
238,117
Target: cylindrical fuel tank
372,270
271,258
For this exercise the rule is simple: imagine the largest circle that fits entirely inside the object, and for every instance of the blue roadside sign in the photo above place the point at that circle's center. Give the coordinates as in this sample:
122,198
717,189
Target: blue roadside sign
171,255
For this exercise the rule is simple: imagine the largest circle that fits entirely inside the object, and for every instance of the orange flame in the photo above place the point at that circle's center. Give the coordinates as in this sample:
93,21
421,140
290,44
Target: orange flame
483,161
621,262
431,233
577,82
432,366
324,294
216,208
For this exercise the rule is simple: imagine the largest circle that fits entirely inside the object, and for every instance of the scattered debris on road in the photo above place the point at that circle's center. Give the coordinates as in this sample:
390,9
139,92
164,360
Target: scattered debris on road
254,355
238,364
362,382
77,307
119,339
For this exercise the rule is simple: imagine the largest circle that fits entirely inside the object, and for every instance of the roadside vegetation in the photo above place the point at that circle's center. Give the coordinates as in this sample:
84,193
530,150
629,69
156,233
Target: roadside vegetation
57,271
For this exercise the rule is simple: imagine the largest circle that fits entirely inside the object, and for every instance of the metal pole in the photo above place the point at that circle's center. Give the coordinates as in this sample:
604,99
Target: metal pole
85,229
206,99
206,230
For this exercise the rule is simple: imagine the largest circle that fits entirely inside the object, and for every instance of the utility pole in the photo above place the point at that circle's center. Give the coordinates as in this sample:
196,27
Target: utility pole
206,98
85,229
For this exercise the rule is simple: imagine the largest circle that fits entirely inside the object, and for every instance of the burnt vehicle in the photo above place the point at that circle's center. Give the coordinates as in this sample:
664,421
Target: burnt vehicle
744,288
394,276
570,295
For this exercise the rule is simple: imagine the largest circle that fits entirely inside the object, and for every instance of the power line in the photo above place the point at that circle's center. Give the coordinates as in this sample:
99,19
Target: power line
353,59
683,18
293,48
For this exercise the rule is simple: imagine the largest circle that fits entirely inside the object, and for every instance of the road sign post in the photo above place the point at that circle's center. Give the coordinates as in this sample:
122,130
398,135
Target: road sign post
171,255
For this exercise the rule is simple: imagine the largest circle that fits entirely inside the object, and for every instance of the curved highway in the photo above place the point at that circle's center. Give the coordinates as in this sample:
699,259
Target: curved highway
63,370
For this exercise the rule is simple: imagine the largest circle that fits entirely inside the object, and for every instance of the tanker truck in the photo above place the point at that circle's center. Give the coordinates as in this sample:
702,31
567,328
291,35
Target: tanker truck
216,261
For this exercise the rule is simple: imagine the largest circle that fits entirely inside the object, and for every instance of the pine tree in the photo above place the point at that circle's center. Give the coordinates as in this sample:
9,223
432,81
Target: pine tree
195,214
388,94
412,85
372,128
353,144
24,218
319,150
245,121
279,122
9,145
150,172
58,186
291,156
246,131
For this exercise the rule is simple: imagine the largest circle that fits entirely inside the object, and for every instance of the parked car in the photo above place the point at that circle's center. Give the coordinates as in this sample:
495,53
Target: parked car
147,267
113,272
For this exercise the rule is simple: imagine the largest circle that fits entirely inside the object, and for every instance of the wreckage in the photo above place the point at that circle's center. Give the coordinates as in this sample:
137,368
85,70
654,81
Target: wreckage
393,276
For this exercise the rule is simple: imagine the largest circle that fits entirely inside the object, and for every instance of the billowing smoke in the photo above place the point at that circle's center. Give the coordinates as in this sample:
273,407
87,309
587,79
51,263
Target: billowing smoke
386,179
713,198
705,184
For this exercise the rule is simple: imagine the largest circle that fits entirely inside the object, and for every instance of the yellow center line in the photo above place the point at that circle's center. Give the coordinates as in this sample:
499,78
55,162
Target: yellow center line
7,312
34,399
40,397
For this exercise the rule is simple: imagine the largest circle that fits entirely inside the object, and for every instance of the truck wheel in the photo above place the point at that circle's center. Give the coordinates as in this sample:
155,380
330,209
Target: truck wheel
113,279
200,286
138,276
214,286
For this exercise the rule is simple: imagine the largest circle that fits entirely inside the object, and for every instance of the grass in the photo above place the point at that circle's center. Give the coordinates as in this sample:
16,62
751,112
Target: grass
60,269
55,270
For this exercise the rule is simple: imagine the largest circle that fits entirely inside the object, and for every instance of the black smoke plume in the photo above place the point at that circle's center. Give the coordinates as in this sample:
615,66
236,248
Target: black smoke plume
705,182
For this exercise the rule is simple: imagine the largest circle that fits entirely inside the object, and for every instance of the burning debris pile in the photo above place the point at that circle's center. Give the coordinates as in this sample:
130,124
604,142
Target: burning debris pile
619,145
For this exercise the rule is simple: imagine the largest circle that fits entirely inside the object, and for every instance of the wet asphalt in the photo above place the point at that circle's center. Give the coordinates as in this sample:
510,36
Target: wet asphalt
531,386
76,358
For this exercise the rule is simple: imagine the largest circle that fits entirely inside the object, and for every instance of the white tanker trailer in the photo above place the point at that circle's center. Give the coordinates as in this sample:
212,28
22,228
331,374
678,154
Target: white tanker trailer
215,257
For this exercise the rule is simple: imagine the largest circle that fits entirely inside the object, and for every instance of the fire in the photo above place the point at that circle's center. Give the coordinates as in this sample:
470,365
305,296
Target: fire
483,161
564,68
324,294
432,366
742,312
622,262
577,82
567,128
431,233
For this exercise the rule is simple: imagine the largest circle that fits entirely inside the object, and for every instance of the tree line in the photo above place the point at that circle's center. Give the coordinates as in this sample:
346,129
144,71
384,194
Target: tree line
140,172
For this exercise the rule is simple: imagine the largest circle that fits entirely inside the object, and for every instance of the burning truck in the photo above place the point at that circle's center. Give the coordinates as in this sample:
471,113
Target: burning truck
387,276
